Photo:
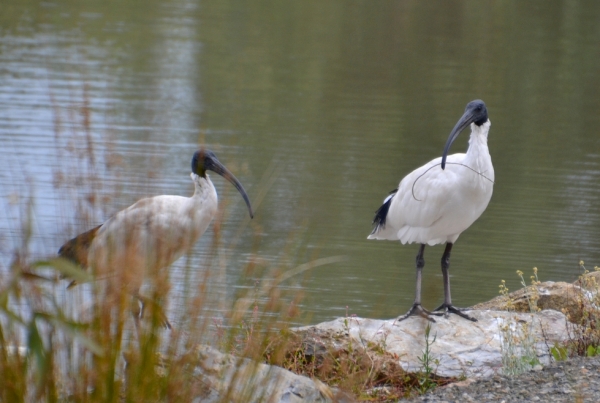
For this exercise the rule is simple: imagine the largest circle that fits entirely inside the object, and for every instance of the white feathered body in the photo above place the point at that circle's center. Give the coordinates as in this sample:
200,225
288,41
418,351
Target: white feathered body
433,206
151,234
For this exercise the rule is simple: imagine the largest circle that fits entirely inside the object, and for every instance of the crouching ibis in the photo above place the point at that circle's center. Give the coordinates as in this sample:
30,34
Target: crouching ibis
148,236
435,203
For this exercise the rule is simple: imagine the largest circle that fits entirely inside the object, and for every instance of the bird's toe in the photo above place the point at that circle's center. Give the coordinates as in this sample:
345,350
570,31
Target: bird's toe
416,310
447,309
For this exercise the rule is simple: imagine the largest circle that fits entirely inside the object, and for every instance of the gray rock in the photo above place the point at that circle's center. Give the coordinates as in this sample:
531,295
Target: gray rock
462,348
234,379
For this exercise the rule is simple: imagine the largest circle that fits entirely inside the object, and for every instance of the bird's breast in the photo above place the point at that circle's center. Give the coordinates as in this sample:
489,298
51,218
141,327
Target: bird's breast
434,205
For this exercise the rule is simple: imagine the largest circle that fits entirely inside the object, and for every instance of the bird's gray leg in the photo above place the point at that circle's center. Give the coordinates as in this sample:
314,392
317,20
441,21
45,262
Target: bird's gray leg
447,306
420,260
137,309
417,309
446,274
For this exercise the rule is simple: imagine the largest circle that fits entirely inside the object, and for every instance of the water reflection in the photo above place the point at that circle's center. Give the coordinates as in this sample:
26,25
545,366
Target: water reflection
339,100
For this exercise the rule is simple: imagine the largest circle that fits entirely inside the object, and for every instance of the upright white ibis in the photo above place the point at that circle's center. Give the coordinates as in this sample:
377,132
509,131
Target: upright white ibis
435,203
151,234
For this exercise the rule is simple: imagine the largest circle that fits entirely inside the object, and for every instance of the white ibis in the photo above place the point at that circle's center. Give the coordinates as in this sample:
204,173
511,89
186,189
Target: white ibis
151,234
435,203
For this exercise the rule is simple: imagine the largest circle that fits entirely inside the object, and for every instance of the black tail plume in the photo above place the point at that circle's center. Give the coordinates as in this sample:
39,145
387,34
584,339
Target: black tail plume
382,212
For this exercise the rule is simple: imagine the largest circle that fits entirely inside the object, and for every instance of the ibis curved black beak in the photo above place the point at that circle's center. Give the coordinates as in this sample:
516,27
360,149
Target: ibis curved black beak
205,160
219,168
475,112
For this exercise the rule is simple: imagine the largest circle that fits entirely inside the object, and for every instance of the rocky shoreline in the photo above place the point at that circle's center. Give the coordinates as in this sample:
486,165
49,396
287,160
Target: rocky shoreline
517,333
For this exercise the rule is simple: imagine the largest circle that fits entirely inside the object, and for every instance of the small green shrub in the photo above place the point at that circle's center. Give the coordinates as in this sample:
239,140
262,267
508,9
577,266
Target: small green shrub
425,376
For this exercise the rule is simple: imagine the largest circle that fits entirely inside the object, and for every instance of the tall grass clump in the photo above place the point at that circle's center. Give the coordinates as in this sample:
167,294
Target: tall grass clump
33,326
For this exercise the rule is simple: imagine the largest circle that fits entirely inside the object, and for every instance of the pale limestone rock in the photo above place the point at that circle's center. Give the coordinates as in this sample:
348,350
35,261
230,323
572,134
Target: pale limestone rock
472,349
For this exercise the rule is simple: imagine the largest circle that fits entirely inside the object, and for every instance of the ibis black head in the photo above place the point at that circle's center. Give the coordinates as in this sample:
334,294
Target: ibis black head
475,112
205,160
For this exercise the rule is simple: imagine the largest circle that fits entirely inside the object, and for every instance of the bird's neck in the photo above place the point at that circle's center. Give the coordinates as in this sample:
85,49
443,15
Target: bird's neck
478,141
202,186
478,154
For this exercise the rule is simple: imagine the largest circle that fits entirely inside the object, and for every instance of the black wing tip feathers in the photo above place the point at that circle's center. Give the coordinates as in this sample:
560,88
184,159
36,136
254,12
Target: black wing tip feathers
76,249
382,212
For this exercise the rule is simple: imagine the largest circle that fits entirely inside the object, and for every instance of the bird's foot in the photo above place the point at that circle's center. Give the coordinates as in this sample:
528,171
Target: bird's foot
162,318
448,309
417,310
156,310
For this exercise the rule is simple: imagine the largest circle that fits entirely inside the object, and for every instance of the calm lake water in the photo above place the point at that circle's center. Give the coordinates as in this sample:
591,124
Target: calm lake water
319,108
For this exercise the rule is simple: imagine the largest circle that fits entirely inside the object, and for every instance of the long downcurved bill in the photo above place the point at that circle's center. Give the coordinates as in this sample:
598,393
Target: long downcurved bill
224,172
466,119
